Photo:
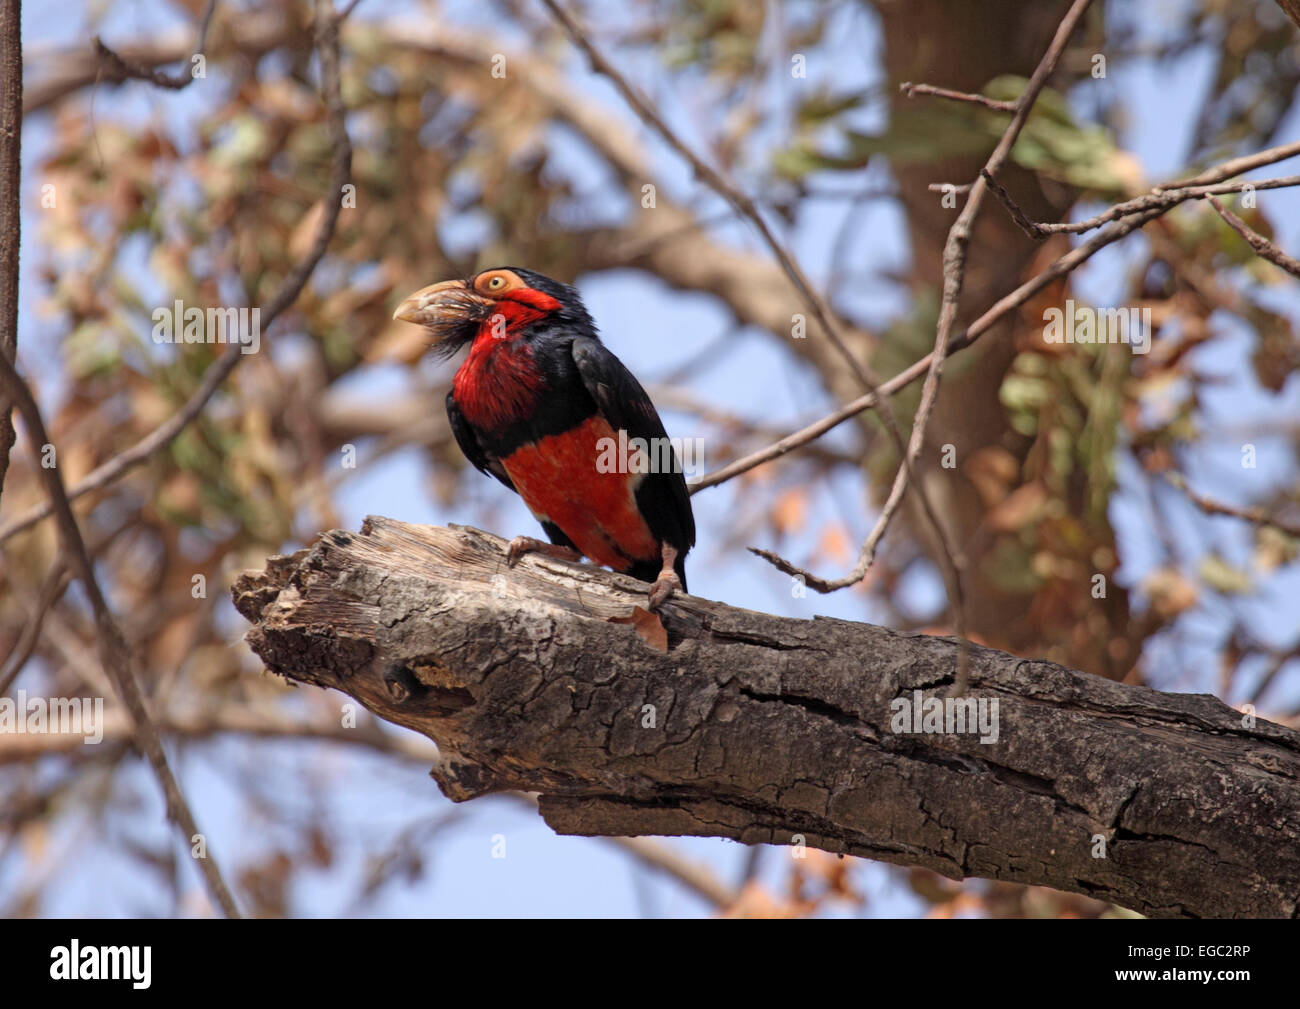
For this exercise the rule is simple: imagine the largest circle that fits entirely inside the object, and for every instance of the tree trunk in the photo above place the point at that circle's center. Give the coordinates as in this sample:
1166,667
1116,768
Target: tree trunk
766,729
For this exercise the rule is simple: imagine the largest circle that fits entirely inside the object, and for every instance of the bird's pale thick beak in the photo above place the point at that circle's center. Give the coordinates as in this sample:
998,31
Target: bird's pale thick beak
448,302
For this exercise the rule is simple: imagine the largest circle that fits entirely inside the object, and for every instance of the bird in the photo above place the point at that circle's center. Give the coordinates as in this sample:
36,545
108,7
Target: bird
540,403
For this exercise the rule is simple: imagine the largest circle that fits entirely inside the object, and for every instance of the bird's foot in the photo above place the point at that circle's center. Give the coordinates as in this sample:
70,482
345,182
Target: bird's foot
667,583
663,588
521,545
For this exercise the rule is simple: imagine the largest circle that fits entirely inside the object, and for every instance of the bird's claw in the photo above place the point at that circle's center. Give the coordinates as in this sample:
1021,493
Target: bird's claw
662,590
521,545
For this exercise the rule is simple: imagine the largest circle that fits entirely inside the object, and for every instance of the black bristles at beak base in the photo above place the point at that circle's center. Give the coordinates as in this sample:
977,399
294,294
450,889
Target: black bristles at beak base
450,310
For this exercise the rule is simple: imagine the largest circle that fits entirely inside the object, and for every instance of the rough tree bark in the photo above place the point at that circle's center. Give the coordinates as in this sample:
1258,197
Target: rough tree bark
766,727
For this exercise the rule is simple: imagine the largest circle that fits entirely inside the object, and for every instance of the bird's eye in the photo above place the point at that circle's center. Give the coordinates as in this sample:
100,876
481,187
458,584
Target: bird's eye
496,283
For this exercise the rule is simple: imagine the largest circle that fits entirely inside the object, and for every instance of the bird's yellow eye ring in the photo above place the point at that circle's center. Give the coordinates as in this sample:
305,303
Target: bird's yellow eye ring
497,282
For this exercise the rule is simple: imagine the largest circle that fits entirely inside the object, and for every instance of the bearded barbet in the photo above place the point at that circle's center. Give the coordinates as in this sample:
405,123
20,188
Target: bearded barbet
539,402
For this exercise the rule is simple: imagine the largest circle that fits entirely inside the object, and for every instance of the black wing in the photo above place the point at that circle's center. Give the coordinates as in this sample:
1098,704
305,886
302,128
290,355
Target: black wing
469,444
662,498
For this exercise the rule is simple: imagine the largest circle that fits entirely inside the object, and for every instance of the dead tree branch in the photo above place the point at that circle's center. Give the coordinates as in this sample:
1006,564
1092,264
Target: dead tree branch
912,90
1262,246
767,730
119,68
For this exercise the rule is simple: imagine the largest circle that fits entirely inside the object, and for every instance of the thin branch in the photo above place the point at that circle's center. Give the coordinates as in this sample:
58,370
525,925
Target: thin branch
290,288
658,856
119,68
346,12
1236,166
115,655
695,876
56,581
671,398
1256,516
1262,246
1165,198
1276,664
912,90
11,128
225,719
1031,229
1292,10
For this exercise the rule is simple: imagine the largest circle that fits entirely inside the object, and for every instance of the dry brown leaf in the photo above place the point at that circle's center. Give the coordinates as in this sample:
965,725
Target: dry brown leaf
304,232
1170,592
992,470
834,545
790,510
1021,506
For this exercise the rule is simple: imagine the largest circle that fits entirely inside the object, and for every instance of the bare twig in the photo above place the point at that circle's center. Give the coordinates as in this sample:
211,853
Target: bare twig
912,90
1262,246
119,68
1236,166
57,579
290,288
1256,516
1166,198
227,718
115,655
656,855
346,12
1277,662
1292,10
51,589
11,128
1019,216
695,876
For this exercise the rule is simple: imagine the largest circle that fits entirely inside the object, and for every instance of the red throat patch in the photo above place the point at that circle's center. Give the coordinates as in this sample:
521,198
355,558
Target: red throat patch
499,381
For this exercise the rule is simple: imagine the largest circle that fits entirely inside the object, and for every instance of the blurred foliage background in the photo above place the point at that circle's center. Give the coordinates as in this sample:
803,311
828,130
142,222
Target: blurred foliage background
1069,457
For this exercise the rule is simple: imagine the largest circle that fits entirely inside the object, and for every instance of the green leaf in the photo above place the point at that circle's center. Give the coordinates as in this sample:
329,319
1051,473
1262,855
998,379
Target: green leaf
1224,577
